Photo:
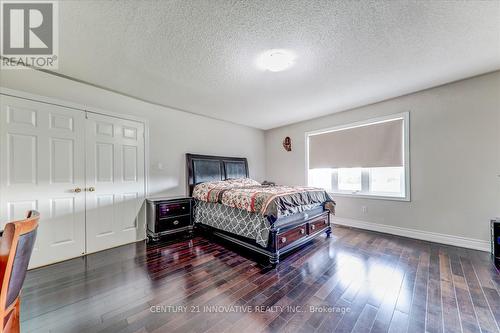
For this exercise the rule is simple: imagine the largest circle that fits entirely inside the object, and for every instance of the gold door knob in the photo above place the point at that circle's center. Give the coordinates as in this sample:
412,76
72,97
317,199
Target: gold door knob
77,190
91,189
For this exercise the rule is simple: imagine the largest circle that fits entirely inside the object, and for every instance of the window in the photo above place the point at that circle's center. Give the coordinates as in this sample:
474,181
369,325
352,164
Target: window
362,159
349,180
389,180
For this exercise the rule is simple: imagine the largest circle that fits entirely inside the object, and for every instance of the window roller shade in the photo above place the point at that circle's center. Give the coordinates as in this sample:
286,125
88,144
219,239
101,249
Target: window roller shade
369,146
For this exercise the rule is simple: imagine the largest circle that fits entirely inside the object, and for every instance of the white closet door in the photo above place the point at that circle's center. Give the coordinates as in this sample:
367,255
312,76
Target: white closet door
115,181
41,165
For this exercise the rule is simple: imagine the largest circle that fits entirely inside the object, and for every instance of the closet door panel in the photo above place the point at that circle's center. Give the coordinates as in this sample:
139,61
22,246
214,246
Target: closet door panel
115,181
41,165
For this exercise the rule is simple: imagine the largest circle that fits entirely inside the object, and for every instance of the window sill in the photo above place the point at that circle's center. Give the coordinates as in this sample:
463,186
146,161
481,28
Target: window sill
370,196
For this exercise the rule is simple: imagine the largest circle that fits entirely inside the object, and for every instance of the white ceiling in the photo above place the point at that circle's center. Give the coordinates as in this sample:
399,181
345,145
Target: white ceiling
199,56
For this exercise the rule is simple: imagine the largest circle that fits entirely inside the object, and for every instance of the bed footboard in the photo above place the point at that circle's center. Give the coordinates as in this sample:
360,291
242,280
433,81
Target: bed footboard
286,239
281,240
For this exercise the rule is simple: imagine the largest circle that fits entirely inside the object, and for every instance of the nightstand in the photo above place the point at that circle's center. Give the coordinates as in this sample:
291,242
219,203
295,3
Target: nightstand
168,216
495,241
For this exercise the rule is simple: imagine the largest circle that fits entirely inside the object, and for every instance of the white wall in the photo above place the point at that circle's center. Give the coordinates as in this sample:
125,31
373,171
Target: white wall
172,133
454,134
455,159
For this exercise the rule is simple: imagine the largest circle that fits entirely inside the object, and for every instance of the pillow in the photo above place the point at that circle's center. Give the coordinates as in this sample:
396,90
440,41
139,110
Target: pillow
241,182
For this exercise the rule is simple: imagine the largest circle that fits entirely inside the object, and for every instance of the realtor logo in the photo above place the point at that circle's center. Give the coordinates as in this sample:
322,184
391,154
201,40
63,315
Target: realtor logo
29,34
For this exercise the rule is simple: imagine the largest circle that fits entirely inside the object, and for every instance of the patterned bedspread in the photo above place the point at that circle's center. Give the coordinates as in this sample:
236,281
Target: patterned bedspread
249,195
233,220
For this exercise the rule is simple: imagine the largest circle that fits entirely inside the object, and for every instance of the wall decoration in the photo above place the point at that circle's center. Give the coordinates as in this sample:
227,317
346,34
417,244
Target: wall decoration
287,144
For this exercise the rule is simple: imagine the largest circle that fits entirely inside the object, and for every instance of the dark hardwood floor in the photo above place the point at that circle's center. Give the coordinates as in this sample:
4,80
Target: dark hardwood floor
362,281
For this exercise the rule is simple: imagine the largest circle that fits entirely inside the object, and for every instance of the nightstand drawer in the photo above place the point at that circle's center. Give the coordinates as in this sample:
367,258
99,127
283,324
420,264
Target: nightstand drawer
172,223
166,210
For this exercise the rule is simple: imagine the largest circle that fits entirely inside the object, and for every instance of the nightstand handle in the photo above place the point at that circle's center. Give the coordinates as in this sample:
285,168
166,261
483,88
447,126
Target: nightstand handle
176,222
302,231
313,227
283,239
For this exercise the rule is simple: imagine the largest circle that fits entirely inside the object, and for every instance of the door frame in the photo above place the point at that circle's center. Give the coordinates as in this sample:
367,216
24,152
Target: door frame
91,109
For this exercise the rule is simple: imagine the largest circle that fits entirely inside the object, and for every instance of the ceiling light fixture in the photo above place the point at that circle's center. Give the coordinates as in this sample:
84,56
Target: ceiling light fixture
276,60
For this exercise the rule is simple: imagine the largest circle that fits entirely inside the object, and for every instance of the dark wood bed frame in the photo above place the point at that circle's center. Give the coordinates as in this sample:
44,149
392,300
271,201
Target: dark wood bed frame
203,168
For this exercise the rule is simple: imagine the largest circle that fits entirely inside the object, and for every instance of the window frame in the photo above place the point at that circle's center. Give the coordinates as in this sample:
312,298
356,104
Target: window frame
405,116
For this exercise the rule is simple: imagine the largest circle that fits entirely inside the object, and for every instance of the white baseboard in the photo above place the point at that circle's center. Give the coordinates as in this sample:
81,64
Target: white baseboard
470,243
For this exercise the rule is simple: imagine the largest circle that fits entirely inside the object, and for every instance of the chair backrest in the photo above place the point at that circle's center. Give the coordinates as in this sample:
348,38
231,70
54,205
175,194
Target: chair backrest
16,246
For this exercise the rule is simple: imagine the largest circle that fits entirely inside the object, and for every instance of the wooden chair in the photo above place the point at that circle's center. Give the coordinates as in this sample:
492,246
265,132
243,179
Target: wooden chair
16,246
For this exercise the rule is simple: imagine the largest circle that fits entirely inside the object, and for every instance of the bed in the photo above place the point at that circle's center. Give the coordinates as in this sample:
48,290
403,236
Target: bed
267,220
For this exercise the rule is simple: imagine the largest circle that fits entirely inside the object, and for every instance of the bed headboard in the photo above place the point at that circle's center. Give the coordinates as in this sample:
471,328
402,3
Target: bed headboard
205,168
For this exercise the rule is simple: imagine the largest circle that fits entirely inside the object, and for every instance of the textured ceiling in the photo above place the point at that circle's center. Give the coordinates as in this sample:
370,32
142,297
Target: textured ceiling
199,56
